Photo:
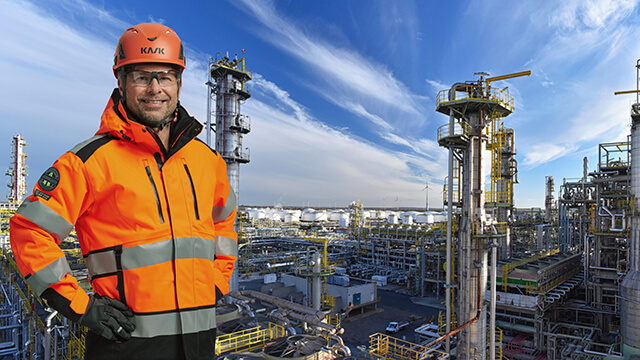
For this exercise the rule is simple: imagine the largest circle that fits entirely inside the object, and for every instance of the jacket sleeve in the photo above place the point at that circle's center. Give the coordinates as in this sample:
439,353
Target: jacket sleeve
42,221
224,216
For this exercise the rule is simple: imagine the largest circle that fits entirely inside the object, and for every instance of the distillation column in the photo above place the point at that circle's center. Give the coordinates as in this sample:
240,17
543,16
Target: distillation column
504,170
630,287
471,106
473,255
17,171
227,80
549,201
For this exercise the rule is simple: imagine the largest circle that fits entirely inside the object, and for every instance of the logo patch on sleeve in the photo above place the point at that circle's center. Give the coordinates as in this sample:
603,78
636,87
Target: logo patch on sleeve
50,179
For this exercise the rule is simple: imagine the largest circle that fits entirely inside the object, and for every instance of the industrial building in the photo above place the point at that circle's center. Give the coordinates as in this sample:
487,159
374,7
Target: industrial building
559,282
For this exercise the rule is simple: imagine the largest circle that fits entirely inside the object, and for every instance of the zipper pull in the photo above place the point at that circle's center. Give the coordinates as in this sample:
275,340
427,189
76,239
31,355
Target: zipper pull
159,161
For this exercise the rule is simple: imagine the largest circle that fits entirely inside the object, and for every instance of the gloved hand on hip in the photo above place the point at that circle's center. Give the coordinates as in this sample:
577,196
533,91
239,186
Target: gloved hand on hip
108,317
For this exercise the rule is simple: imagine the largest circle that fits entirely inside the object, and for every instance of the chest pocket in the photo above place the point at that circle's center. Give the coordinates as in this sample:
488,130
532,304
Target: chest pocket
193,191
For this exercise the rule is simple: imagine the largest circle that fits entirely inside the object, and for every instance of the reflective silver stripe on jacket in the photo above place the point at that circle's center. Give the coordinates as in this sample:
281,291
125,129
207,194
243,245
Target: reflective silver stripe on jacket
221,213
174,323
104,262
84,143
47,219
226,246
49,275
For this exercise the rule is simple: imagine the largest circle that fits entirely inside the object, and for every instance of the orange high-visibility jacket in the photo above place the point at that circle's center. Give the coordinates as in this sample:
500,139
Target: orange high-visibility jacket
155,228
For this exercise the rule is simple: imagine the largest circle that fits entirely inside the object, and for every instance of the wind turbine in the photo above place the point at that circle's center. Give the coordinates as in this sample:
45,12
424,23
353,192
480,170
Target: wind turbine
427,188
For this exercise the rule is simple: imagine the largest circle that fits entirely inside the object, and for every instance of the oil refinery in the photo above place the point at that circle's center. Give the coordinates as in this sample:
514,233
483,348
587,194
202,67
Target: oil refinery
478,279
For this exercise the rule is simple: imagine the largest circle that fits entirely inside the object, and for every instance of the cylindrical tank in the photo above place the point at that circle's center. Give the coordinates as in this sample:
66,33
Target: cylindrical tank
424,218
256,214
334,215
408,217
291,216
314,216
393,218
344,220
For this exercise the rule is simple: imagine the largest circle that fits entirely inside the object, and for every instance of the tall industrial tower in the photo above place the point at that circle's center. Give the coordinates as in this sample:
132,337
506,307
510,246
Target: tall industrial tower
472,107
630,286
18,170
226,84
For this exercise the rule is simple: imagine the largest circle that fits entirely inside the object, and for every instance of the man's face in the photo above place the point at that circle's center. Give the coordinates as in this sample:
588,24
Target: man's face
152,103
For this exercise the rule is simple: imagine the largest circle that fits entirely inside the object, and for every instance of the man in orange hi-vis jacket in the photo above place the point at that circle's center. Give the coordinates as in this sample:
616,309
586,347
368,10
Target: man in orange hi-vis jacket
153,210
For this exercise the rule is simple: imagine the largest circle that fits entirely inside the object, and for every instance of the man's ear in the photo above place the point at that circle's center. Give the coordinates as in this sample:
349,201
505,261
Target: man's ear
120,87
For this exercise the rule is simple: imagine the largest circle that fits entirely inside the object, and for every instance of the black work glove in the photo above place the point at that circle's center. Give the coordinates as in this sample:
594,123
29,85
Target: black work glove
108,318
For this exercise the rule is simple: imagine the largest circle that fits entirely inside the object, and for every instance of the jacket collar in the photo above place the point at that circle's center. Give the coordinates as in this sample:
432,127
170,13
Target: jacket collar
116,122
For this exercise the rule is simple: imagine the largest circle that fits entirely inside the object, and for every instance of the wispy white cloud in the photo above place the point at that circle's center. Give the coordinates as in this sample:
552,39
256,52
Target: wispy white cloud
328,164
545,152
343,70
359,110
576,15
437,85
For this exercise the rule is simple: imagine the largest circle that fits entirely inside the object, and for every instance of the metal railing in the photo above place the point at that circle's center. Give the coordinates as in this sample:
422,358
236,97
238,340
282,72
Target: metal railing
474,92
389,347
457,129
496,229
248,340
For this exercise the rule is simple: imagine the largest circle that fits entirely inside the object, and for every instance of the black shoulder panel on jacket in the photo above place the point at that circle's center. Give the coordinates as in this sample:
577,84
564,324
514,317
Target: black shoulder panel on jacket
85,149
215,152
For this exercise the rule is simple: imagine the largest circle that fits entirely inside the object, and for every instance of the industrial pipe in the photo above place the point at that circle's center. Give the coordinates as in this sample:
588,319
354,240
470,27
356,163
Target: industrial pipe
281,302
449,260
341,346
47,337
492,313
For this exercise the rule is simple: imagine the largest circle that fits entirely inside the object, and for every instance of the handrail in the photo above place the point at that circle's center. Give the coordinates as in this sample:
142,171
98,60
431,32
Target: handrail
474,92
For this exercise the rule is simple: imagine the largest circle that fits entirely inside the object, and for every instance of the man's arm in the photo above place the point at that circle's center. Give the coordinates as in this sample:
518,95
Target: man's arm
224,216
44,220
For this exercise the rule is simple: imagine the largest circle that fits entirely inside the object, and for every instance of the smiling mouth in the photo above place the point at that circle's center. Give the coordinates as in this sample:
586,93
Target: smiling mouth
153,101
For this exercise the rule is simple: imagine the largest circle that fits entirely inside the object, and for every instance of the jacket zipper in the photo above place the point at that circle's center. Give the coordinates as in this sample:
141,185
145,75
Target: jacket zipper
155,191
193,192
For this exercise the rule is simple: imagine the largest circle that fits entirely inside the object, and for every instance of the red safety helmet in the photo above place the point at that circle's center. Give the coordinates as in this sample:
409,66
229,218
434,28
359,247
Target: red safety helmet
149,43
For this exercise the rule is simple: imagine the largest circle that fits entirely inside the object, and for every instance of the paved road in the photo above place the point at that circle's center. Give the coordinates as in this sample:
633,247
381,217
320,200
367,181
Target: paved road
393,307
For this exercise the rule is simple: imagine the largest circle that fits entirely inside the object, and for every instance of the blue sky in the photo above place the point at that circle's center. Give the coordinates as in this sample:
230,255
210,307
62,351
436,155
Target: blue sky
343,94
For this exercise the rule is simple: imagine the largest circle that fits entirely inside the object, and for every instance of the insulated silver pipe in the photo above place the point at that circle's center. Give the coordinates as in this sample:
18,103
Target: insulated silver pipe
492,314
449,236
47,337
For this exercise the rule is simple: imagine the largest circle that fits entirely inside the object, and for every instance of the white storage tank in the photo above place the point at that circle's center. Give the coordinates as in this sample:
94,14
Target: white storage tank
257,214
392,218
314,216
291,217
275,216
440,216
334,215
344,220
424,218
407,218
